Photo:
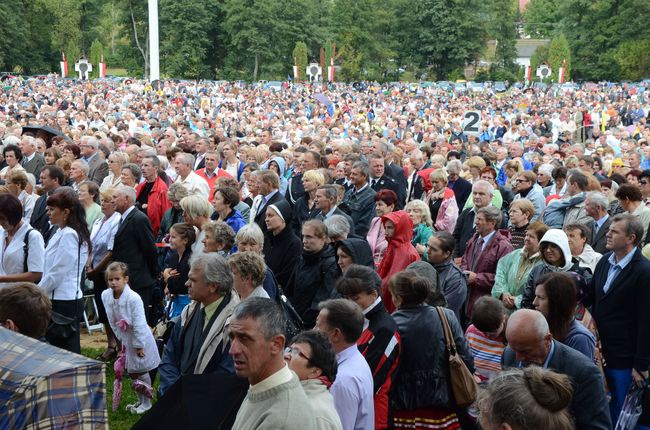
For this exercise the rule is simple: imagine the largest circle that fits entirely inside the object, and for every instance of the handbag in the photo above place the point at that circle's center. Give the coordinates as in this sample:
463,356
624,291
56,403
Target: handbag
463,385
632,408
62,327
294,323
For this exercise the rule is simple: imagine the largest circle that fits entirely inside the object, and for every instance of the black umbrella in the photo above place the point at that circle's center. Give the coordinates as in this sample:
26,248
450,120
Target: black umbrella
208,401
45,132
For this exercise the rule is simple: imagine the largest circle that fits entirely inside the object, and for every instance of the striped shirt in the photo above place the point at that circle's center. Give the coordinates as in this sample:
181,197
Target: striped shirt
487,353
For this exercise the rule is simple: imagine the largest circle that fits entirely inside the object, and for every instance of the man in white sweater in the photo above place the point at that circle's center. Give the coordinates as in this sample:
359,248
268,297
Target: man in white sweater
275,399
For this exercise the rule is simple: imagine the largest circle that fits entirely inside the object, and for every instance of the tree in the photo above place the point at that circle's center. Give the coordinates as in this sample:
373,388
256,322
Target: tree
183,53
445,35
633,57
96,54
300,54
539,57
112,30
502,28
541,17
558,54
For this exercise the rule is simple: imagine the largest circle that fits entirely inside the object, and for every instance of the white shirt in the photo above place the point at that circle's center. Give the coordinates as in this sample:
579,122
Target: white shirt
353,390
28,201
12,258
102,237
64,263
195,184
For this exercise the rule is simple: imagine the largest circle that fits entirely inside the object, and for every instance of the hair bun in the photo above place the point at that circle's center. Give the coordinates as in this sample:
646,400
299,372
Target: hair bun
551,390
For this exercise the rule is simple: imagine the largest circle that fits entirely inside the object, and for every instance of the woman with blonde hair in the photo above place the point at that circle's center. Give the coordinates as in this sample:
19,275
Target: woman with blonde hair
441,202
419,213
475,164
305,207
115,162
196,212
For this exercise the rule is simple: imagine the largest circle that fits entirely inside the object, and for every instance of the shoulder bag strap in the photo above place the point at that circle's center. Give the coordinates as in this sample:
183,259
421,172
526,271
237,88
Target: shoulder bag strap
26,249
78,263
449,337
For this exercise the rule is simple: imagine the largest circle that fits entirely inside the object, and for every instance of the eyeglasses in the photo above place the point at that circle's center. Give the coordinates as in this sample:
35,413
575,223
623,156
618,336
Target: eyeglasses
643,182
521,180
295,352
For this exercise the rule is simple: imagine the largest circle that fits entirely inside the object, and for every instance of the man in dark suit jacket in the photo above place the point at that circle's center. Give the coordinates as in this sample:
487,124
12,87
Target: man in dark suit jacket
619,293
97,166
360,200
530,343
465,229
326,197
269,185
32,161
391,169
135,245
310,160
52,178
596,205
379,180
462,187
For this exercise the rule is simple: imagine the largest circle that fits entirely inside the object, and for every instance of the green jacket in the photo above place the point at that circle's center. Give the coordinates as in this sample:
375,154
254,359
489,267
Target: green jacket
512,273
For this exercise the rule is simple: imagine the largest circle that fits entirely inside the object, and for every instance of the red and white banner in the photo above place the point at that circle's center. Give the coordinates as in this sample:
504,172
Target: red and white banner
527,73
102,68
330,71
296,74
64,65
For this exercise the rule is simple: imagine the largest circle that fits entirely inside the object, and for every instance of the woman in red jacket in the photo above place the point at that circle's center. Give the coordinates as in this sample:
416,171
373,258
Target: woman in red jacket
398,229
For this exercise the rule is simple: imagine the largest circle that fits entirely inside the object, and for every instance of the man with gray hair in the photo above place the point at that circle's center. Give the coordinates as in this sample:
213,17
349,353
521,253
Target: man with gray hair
530,343
183,163
275,399
97,165
462,187
360,199
482,192
596,205
32,162
485,248
326,197
338,228
198,343
135,245
78,173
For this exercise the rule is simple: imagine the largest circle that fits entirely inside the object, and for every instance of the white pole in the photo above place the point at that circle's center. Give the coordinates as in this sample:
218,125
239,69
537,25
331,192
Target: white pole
154,58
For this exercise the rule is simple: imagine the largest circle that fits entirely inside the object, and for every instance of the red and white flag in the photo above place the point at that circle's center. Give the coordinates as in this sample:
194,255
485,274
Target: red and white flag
102,68
64,65
330,71
527,73
561,72
296,75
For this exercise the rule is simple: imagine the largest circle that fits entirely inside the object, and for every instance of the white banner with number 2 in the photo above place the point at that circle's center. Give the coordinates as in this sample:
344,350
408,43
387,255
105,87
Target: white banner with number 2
471,122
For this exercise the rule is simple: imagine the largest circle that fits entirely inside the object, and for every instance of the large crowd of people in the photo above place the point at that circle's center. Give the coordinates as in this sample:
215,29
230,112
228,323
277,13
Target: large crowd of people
319,249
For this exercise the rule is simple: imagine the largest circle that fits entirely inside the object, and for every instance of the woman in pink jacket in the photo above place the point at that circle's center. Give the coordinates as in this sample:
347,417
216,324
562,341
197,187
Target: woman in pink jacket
385,201
442,202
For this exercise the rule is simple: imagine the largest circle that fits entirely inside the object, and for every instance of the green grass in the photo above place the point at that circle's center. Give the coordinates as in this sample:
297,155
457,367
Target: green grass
116,71
120,419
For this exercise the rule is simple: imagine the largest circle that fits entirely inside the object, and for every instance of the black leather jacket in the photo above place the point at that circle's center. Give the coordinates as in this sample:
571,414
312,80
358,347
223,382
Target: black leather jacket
423,376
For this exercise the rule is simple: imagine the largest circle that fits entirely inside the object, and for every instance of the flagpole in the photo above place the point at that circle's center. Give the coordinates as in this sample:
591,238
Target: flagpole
154,58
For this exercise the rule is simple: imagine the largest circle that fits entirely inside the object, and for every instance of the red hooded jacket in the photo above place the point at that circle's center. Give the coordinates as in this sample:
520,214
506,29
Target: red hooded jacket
399,252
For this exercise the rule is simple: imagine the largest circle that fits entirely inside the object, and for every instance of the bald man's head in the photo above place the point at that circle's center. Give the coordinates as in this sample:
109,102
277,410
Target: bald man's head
529,337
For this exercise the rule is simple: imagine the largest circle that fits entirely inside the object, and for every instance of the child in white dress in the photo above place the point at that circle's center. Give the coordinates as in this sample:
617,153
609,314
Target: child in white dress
125,313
